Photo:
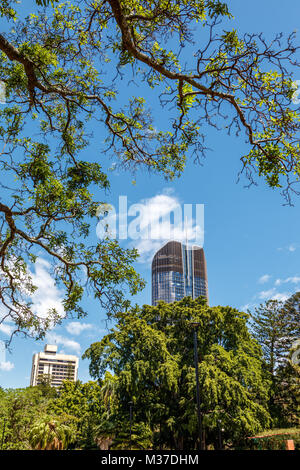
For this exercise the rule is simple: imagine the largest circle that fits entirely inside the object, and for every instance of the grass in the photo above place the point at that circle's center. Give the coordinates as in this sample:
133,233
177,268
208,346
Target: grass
274,432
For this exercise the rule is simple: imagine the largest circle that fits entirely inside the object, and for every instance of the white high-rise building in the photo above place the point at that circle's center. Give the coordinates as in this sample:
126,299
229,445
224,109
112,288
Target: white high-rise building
52,367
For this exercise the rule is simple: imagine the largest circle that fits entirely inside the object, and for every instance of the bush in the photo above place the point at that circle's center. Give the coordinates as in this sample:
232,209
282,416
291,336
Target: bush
273,442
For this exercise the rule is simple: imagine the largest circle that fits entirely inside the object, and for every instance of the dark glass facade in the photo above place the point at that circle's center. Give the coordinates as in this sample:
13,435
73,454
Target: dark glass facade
178,271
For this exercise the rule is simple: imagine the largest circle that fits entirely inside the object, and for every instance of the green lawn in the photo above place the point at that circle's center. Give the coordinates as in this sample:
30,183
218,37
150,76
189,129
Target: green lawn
273,432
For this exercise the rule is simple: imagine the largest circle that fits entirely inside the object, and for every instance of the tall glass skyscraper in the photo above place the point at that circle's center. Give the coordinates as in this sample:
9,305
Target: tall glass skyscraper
178,271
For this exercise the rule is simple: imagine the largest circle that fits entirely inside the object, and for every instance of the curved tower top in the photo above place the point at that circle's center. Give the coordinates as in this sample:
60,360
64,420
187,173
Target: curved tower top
178,271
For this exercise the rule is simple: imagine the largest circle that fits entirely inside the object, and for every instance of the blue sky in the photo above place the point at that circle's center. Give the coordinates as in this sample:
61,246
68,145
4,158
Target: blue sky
251,239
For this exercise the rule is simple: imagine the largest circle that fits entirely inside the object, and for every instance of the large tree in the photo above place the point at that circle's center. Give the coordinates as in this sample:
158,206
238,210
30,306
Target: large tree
150,350
19,410
49,433
84,402
63,69
276,326
42,417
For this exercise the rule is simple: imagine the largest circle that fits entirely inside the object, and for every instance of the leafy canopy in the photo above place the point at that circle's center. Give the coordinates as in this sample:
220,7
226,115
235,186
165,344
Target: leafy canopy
64,69
276,326
150,352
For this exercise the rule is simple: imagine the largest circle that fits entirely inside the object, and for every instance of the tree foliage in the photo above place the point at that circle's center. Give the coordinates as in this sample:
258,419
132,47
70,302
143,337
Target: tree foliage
51,434
150,351
276,326
41,417
19,410
64,69
84,402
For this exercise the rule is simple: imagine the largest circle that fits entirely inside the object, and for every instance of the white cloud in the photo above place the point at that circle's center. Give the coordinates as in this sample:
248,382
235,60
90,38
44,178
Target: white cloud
288,280
245,308
6,365
272,294
76,328
291,247
160,219
295,97
266,294
69,344
6,328
293,280
47,296
147,248
281,296
265,278
3,92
